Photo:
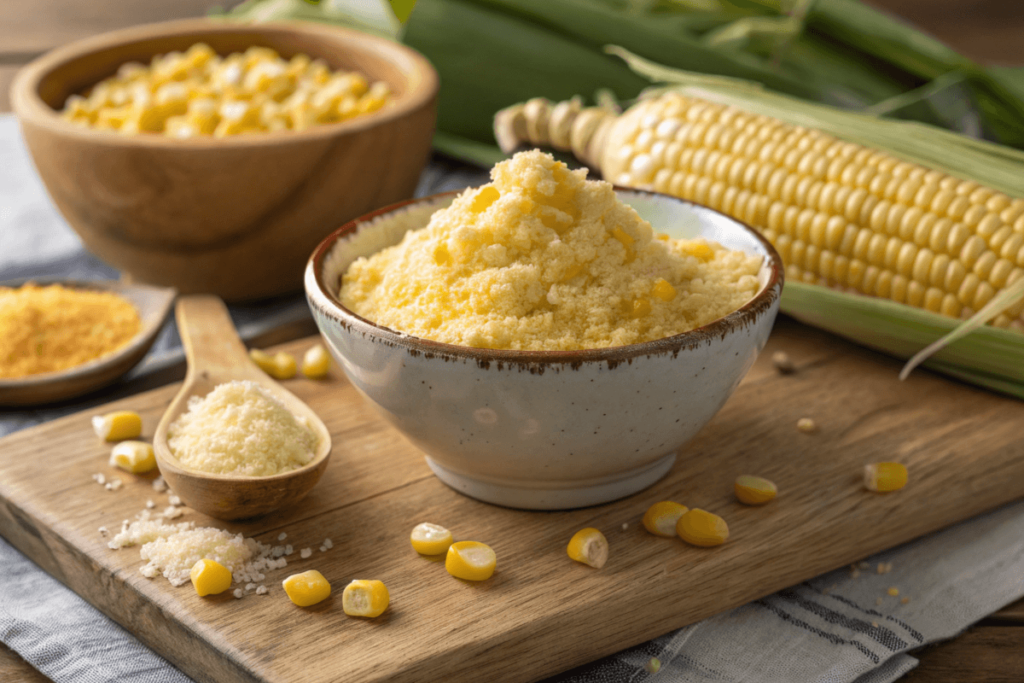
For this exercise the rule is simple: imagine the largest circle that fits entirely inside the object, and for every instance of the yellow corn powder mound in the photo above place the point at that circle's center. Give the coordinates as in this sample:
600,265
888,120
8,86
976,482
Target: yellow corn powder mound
53,328
238,428
543,259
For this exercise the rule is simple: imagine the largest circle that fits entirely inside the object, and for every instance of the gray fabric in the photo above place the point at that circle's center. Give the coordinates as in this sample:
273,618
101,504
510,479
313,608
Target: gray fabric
800,635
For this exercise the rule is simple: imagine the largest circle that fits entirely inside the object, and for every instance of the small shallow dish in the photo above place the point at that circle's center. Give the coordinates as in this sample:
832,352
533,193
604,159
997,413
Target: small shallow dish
234,216
153,305
546,429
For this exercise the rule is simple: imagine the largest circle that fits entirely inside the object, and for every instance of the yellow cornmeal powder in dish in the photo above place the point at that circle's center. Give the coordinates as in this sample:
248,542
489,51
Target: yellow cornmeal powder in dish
238,428
54,328
543,259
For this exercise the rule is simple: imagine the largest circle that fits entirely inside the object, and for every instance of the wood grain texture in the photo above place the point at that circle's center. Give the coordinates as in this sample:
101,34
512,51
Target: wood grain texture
1011,614
7,72
541,613
990,654
985,30
31,27
14,669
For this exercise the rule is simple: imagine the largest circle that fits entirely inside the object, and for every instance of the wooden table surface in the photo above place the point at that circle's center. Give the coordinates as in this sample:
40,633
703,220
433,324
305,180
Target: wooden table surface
986,30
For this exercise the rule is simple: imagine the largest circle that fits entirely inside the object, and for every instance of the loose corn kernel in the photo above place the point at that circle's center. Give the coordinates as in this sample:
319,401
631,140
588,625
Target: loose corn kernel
279,366
882,477
589,546
806,425
365,598
661,518
782,363
133,456
307,588
470,560
149,98
701,528
117,426
210,577
663,290
751,490
430,539
316,362
893,591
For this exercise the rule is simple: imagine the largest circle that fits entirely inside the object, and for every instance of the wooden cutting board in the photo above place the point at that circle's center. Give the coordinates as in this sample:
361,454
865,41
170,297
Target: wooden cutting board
541,613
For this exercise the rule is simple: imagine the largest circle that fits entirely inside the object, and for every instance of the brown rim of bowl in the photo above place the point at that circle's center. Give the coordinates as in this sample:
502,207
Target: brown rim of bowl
27,103
745,315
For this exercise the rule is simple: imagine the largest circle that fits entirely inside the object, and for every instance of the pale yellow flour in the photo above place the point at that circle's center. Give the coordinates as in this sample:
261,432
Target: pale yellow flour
543,259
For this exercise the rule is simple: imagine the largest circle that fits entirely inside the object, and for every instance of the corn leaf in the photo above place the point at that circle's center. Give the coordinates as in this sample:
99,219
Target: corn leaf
458,147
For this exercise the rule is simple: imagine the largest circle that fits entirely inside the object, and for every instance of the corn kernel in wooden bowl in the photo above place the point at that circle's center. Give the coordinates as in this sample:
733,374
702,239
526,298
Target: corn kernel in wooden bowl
198,92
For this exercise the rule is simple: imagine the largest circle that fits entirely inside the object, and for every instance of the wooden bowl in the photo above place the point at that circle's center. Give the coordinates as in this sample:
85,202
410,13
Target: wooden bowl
153,305
236,216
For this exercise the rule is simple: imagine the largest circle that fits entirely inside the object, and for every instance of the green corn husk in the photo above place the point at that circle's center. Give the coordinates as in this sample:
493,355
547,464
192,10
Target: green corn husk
493,53
988,357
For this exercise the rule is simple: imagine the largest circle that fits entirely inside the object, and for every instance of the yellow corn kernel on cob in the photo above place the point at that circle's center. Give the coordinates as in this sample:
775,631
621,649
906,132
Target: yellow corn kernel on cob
701,528
365,598
133,456
307,588
661,518
839,214
588,546
210,577
883,477
117,426
751,490
430,539
316,362
470,560
279,366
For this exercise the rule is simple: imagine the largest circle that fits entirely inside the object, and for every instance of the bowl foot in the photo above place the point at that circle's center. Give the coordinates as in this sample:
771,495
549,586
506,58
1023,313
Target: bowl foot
555,498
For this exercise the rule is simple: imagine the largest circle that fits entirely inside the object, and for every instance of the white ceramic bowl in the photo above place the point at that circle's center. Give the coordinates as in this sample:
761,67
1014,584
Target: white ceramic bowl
545,429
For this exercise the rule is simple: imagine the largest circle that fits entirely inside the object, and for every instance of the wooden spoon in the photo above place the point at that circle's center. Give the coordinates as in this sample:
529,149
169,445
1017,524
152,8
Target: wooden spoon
216,355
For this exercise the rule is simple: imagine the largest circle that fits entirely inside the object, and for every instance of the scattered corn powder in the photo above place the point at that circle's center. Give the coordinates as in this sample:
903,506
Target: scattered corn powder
543,259
238,428
53,328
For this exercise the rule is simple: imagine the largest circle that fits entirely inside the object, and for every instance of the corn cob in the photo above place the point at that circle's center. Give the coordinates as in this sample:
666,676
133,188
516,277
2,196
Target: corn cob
839,214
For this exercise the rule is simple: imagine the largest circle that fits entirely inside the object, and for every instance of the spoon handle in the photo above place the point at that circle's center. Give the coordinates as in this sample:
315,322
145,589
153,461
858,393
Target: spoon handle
209,337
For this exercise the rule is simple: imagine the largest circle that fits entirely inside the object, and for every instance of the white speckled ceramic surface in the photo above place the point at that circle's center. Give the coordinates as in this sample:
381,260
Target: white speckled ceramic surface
538,429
